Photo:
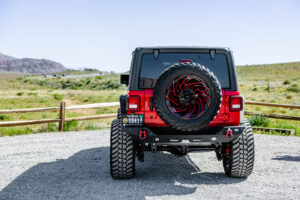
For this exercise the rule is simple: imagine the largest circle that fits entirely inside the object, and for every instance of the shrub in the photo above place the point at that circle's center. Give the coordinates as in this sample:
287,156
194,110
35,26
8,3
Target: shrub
254,87
88,82
4,117
293,88
20,93
64,85
259,120
71,126
32,94
286,82
51,127
74,87
98,77
58,96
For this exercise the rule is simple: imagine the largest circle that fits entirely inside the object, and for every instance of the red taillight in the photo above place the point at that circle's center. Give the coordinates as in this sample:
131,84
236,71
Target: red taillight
189,61
236,103
133,103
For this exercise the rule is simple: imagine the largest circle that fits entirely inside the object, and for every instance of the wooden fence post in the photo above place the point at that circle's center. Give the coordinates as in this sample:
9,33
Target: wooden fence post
62,115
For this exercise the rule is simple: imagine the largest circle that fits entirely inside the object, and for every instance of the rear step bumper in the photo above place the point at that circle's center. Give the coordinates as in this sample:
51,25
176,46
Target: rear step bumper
224,135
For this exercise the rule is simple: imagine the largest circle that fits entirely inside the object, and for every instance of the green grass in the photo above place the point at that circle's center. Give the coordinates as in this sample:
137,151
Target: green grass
276,83
259,120
23,92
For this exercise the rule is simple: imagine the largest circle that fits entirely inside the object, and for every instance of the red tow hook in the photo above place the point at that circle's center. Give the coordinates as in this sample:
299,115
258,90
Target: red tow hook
229,133
142,135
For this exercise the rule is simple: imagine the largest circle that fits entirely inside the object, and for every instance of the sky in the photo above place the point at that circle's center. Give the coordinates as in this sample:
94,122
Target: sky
103,34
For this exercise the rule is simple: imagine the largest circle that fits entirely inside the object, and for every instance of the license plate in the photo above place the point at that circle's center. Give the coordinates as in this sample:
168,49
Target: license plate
133,120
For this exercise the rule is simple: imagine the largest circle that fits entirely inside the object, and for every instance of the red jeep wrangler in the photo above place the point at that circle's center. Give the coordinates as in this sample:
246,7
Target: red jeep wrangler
181,99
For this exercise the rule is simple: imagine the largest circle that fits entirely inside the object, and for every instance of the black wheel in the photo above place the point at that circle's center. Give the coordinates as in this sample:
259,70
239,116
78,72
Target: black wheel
239,154
122,156
187,96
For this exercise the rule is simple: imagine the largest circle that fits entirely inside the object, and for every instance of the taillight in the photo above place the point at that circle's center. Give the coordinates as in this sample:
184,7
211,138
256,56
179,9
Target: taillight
133,103
236,103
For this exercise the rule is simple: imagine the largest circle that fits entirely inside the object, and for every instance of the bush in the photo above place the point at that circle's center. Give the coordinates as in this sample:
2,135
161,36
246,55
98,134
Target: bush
58,96
254,87
259,120
20,93
4,117
51,127
32,94
293,88
71,126
74,87
88,82
286,82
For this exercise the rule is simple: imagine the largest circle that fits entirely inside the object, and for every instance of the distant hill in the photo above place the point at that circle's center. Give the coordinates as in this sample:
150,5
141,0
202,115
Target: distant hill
29,65
5,57
269,72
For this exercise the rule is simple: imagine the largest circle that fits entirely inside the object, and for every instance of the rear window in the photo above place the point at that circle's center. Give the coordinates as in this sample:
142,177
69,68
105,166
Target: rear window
151,68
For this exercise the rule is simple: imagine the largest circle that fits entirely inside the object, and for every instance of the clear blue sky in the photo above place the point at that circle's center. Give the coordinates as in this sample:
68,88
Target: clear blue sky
102,34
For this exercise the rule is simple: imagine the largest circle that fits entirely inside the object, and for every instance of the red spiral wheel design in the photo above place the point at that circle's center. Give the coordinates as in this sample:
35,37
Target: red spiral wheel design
188,97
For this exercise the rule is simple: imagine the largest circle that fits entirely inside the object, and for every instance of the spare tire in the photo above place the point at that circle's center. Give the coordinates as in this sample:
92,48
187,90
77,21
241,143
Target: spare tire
187,96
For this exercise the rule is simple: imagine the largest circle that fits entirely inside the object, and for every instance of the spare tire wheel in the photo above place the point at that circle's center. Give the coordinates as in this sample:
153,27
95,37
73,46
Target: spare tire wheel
187,96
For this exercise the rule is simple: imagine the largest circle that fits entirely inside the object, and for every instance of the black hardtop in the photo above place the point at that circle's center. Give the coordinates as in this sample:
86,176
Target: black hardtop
166,48
139,51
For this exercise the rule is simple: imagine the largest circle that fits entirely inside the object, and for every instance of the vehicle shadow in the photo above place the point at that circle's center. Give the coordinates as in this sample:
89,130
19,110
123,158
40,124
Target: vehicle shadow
85,175
288,158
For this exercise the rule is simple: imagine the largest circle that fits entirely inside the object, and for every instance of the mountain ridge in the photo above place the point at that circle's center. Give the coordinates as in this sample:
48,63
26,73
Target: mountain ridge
29,65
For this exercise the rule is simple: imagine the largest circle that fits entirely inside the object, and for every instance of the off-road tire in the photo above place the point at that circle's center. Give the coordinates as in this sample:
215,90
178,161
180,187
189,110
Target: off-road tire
122,156
240,161
166,79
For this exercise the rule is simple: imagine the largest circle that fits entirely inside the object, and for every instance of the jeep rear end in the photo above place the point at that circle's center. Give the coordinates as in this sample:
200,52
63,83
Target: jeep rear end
181,100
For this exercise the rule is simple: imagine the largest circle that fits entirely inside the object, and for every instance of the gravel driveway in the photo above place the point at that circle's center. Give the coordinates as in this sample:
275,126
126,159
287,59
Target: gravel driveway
75,165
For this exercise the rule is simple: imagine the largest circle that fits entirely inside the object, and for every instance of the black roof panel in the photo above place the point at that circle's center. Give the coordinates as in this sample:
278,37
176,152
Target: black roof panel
185,47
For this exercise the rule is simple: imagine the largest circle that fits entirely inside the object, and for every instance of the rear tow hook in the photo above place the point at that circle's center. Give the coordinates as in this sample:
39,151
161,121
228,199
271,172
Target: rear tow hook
142,137
229,134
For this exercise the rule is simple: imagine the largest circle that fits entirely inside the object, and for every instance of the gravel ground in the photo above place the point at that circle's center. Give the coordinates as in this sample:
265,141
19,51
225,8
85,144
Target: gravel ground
75,165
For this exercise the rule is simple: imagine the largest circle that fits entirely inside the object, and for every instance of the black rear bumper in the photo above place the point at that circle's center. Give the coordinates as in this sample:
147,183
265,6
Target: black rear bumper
217,135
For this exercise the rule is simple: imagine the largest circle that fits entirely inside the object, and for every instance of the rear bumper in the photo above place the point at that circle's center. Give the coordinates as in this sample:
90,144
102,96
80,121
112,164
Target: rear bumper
222,135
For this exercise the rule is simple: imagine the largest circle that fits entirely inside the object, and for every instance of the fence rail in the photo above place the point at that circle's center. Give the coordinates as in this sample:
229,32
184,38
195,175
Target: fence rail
92,106
272,104
26,110
274,116
29,122
63,108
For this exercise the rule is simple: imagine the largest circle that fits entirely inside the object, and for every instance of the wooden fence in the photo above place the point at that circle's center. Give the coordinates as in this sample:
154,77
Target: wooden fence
63,108
62,113
275,116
